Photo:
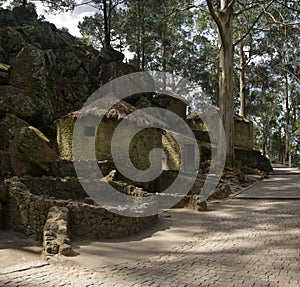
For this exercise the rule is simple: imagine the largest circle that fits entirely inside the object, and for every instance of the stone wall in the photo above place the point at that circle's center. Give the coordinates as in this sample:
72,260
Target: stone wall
139,149
56,239
243,133
27,213
172,152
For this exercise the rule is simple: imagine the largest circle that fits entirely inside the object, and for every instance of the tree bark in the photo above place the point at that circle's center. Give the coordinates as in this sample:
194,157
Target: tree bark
226,83
223,20
106,25
287,121
264,143
242,80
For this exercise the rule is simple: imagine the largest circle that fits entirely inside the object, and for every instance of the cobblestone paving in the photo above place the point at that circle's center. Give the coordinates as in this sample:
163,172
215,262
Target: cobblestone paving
241,243
284,184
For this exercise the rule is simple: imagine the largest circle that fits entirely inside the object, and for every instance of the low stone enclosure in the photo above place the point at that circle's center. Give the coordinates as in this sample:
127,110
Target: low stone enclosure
53,209
29,200
26,200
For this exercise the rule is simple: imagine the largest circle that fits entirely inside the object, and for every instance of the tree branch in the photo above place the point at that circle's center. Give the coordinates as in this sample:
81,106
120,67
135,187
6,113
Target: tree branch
253,25
288,7
216,19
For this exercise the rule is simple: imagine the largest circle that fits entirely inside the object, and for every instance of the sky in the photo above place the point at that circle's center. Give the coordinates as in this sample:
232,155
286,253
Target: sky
68,20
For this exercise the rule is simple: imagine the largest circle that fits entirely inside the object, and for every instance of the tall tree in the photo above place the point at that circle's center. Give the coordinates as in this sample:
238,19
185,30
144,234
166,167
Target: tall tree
223,16
106,7
223,13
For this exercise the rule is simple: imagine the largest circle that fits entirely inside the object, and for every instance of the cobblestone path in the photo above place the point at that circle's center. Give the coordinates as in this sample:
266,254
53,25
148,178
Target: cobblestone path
239,242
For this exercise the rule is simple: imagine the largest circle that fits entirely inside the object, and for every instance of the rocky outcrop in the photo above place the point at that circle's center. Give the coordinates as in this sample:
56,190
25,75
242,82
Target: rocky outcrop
44,74
4,73
48,69
30,152
252,159
24,148
3,200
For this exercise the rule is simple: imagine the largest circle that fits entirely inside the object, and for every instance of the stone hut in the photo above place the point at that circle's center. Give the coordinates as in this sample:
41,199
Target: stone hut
243,133
140,146
178,106
243,130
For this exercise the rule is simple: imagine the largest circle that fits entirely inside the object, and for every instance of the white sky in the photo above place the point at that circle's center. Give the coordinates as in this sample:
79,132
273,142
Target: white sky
68,20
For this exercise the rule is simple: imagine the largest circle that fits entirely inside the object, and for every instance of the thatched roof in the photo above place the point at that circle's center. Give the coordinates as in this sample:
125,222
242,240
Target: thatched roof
196,116
98,109
115,111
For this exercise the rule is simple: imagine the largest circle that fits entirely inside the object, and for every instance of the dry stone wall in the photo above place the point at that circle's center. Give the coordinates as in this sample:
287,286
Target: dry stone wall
27,213
56,239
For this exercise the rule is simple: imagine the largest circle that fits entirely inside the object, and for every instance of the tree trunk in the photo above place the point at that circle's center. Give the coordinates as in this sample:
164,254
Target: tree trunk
280,147
223,20
242,80
226,82
287,121
106,25
264,141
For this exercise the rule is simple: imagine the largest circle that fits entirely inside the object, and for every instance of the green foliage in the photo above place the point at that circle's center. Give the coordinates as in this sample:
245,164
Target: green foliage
18,3
159,38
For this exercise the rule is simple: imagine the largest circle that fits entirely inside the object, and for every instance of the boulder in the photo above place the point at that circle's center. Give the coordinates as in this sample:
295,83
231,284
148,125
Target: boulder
29,73
7,18
8,127
4,164
3,56
222,191
15,101
253,159
3,193
1,216
114,70
46,37
30,152
24,15
109,55
4,78
12,43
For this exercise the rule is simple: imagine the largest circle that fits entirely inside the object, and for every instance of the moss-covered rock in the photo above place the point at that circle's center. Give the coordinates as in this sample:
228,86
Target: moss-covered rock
3,56
15,101
109,55
29,73
23,148
114,70
51,74
253,159
4,164
30,152
4,78
24,15
1,215
12,43
7,18
9,126
46,36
